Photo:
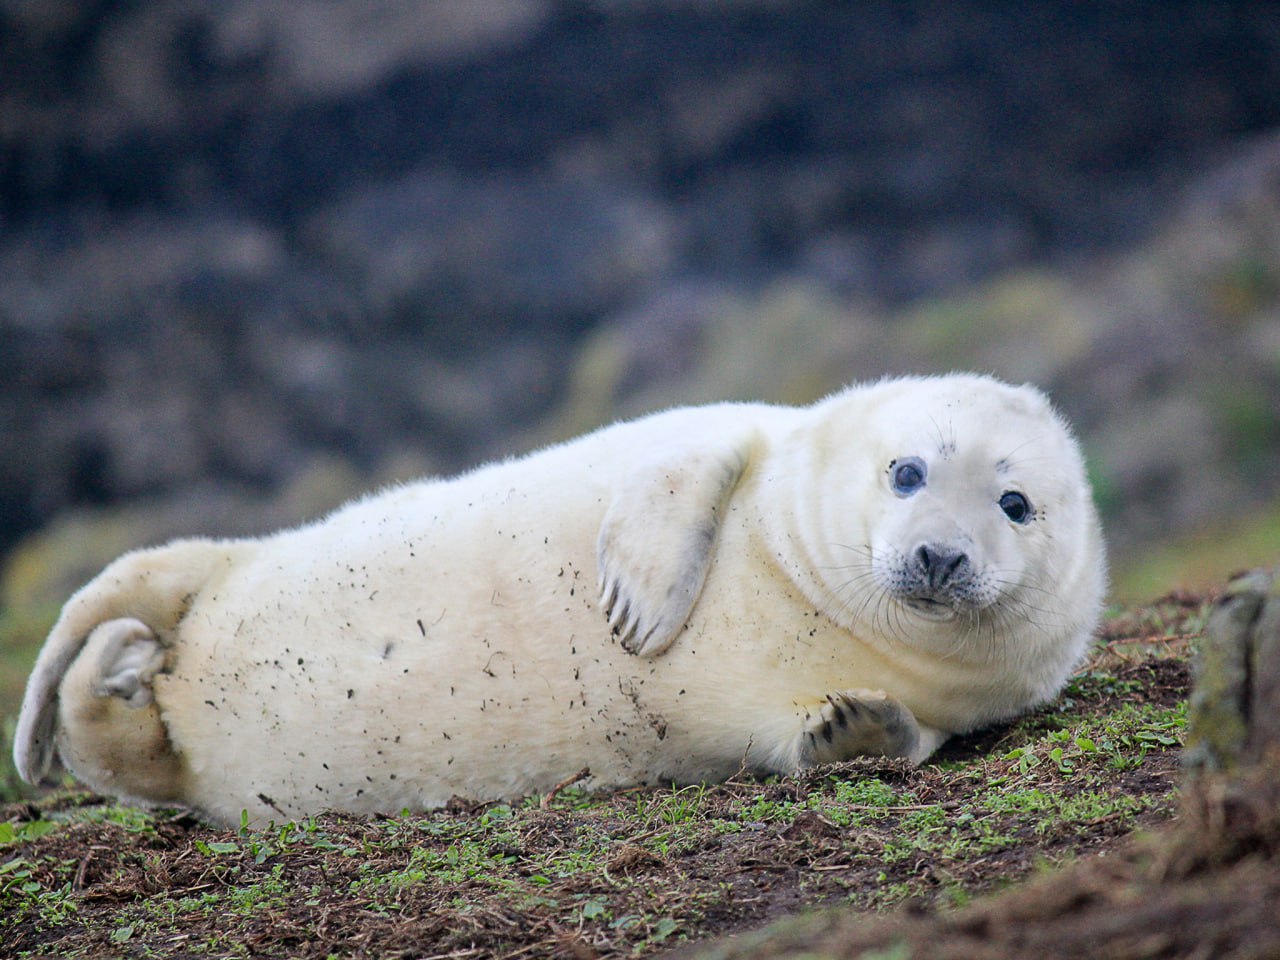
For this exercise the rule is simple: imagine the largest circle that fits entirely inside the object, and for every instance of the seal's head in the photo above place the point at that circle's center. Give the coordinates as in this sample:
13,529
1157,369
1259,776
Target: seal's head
974,522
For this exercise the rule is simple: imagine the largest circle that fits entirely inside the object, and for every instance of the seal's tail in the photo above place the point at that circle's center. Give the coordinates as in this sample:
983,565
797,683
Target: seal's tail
150,588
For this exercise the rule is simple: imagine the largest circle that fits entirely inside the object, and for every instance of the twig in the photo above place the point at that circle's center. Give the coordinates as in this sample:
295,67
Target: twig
78,883
742,765
545,802
1116,647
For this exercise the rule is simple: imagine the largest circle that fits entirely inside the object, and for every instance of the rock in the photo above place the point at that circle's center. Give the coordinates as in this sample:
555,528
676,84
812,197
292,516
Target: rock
1234,712
240,234
528,257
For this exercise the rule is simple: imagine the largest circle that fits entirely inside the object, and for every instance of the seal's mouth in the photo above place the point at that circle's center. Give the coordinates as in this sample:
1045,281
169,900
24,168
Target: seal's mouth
929,608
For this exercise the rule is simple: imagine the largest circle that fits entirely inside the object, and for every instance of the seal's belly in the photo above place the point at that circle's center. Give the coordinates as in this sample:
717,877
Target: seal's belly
403,687
402,662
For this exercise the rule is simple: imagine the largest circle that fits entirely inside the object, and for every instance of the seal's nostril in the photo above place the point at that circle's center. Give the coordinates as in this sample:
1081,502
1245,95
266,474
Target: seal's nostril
940,564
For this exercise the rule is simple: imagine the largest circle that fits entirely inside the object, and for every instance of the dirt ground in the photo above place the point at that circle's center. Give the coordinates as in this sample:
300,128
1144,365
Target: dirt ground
1208,888
640,872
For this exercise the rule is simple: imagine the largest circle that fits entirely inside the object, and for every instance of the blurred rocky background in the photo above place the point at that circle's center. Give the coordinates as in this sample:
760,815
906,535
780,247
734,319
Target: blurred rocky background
259,255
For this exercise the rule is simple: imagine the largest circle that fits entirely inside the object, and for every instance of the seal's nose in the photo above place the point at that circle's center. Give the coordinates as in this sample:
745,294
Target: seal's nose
939,563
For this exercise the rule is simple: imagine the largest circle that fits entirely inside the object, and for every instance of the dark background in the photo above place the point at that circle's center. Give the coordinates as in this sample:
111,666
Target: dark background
257,252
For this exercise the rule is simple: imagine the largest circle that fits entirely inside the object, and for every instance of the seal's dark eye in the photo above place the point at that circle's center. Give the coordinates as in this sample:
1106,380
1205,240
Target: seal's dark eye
1015,506
907,475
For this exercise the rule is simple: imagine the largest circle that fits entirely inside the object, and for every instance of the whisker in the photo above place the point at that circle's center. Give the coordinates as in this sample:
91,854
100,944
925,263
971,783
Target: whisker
1007,602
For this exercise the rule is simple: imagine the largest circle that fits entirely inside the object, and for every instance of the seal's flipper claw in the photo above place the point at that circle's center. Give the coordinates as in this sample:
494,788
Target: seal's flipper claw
658,538
864,723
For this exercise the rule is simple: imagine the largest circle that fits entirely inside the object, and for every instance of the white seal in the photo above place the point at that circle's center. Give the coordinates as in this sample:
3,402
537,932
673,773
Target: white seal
661,600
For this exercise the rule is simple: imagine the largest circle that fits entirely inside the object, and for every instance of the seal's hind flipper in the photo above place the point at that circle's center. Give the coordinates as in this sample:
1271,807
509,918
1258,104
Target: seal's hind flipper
150,587
657,540
131,657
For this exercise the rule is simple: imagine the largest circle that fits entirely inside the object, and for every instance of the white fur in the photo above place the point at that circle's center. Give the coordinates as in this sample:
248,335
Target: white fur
452,637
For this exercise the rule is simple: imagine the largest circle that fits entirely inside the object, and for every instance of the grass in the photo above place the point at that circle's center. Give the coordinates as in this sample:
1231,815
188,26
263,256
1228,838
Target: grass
623,874
1203,558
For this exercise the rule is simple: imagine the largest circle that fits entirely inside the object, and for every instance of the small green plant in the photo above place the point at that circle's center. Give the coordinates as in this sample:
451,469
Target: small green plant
764,809
673,808
24,832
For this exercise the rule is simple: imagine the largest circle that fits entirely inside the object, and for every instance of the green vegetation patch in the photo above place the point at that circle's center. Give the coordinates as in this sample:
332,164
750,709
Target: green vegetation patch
628,873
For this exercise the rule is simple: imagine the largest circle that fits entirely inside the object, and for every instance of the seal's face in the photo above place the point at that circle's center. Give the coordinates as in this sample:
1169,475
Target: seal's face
975,514
981,506
953,537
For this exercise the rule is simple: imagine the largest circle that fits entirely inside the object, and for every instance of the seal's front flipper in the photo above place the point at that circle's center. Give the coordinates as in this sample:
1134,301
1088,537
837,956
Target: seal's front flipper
658,537
865,723
128,658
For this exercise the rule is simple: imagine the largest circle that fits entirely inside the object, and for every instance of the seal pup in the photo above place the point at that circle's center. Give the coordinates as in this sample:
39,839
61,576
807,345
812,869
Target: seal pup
656,601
